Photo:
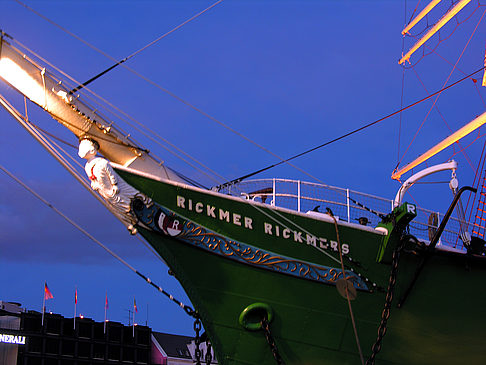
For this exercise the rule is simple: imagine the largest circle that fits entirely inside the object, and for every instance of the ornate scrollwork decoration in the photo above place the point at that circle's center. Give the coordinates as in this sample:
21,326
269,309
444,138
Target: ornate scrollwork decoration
166,222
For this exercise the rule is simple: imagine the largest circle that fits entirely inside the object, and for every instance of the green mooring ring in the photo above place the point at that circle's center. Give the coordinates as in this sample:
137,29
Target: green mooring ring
251,316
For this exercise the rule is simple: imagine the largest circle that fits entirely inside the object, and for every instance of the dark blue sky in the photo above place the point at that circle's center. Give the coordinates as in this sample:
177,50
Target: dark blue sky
287,74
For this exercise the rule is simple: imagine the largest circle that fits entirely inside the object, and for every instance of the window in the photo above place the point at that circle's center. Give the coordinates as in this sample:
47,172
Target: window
84,330
84,349
53,325
114,333
67,347
98,351
32,324
52,346
34,344
113,352
128,354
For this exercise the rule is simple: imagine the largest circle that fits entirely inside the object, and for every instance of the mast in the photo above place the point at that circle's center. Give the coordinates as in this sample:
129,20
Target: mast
419,17
468,128
443,21
43,89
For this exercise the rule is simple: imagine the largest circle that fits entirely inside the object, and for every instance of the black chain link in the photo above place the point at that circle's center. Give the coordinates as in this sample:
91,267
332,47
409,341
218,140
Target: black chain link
375,349
209,356
197,340
271,341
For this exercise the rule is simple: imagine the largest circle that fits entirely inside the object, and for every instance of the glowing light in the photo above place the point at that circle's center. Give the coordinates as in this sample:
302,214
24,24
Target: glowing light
81,316
22,81
468,128
419,17
443,21
484,75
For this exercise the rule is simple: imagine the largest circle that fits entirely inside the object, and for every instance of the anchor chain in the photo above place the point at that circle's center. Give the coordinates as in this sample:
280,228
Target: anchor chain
197,340
271,341
375,349
209,356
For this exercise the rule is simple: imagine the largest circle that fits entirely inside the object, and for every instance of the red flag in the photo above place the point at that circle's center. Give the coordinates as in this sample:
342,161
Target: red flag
106,301
76,296
47,292
135,306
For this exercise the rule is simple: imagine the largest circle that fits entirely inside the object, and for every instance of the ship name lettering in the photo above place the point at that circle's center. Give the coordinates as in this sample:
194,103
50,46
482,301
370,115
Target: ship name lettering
236,219
311,240
297,236
210,211
223,215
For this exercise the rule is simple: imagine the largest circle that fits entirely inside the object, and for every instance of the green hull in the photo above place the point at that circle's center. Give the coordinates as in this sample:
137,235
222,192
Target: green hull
442,321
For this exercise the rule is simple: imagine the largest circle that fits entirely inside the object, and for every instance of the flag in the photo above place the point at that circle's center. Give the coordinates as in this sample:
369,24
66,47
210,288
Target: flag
75,296
47,295
47,292
135,306
106,301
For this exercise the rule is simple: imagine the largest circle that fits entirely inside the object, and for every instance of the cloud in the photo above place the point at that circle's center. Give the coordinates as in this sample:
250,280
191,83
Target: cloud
31,231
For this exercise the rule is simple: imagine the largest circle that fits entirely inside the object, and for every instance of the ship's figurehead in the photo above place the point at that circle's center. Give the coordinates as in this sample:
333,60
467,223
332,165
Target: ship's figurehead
109,184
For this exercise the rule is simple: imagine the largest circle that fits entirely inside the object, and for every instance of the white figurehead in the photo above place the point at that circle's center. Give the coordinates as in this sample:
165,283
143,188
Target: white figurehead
108,183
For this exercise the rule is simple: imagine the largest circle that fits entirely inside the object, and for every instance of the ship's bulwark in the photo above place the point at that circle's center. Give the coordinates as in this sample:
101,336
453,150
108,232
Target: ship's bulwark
442,321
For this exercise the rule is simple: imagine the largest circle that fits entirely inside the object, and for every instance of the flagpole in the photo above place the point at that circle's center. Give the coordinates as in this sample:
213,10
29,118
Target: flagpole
106,305
43,302
75,304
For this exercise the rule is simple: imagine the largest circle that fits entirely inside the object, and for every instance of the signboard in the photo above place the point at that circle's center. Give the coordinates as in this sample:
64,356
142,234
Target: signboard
18,340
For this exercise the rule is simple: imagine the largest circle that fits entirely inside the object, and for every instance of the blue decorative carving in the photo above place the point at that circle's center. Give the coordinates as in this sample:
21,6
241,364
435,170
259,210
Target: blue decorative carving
165,222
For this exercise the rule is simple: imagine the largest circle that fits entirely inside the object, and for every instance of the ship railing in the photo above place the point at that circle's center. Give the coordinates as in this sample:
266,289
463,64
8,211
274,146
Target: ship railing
348,205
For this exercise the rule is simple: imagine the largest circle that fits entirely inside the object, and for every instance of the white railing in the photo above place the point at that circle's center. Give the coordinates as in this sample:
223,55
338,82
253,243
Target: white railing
350,206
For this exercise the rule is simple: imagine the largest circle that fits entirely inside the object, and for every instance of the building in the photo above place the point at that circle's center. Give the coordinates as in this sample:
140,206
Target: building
168,349
29,338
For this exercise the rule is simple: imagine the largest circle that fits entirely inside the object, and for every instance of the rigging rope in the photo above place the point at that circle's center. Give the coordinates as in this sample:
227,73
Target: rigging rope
143,48
186,308
190,105
346,288
273,218
234,131
77,176
275,212
440,40
445,83
139,126
403,82
350,133
226,126
445,122
185,102
52,146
